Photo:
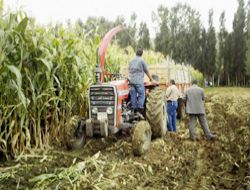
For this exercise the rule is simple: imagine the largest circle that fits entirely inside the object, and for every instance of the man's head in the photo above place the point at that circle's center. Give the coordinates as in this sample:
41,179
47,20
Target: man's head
194,81
172,81
139,52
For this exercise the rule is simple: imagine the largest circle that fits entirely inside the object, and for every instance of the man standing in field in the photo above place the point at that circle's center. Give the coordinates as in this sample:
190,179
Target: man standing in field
194,97
172,95
137,68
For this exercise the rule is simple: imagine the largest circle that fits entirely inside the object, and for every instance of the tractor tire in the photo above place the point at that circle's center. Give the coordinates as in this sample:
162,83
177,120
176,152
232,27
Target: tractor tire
104,128
156,113
78,137
141,138
89,128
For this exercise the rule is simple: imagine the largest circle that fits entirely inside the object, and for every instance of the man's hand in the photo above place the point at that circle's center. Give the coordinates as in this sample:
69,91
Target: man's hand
154,82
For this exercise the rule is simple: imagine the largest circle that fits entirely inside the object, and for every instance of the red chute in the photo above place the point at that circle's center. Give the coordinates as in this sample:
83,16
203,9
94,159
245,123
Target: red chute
103,47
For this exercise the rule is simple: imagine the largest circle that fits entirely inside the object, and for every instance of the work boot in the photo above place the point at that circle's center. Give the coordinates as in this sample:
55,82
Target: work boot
141,110
212,137
192,138
133,111
140,113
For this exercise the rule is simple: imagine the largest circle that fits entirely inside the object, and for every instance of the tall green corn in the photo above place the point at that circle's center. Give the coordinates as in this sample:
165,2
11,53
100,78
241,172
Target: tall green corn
1,7
44,78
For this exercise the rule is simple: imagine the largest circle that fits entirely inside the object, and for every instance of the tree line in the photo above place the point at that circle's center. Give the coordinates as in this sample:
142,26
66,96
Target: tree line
223,57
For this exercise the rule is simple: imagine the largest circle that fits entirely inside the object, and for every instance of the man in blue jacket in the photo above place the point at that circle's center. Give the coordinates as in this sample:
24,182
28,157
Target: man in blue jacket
137,68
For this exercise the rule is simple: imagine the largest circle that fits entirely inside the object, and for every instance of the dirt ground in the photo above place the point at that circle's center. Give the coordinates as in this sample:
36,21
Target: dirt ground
173,162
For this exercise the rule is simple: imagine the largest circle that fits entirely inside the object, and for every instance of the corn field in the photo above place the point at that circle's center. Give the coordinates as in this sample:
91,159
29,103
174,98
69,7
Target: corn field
44,77
45,74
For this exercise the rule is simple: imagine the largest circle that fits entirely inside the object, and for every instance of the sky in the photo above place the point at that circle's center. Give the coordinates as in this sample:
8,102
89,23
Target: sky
46,11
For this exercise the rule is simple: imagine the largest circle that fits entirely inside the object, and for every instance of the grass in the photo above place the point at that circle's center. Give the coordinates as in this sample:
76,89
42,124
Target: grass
228,90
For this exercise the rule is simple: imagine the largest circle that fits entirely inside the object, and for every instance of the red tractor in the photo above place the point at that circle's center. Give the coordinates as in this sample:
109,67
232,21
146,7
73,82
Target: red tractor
109,106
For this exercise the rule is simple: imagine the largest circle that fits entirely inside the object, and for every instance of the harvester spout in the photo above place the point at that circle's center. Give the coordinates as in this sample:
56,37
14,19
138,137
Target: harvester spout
103,48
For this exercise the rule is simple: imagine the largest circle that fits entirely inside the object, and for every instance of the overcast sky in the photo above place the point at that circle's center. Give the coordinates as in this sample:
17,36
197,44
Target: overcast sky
46,11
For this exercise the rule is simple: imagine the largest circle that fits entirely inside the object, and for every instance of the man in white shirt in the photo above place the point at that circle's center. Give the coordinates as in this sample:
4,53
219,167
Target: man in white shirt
172,95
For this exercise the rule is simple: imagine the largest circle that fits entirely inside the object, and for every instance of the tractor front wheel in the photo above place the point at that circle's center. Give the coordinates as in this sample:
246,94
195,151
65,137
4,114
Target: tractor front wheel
77,138
141,138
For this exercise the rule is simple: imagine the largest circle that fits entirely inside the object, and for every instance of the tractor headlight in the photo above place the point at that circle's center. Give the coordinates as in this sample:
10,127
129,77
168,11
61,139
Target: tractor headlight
94,110
109,110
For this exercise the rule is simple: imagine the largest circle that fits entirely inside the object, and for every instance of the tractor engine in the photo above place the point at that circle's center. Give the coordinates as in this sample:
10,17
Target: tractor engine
108,108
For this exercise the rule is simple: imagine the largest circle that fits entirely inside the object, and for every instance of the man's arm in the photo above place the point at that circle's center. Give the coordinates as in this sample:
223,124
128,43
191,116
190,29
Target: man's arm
149,76
168,92
179,93
145,69
203,95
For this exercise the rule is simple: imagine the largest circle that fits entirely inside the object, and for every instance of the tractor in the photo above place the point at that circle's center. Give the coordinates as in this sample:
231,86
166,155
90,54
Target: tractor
110,111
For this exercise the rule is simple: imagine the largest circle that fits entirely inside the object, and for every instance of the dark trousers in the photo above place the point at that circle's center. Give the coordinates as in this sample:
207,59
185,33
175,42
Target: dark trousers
203,122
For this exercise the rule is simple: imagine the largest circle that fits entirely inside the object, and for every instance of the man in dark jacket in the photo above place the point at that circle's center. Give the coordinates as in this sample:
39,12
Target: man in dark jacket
137,68
194,97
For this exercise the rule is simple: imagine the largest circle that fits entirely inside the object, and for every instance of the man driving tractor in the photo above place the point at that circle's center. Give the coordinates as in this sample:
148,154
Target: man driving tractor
137,68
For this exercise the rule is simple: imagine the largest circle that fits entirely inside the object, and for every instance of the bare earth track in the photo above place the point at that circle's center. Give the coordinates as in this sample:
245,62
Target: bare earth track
173,162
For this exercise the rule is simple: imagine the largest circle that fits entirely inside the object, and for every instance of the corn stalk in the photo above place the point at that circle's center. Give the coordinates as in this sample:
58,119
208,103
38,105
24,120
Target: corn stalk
44,78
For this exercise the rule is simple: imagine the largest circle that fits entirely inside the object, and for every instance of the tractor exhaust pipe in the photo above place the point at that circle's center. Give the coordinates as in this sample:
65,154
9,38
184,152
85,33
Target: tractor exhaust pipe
98,70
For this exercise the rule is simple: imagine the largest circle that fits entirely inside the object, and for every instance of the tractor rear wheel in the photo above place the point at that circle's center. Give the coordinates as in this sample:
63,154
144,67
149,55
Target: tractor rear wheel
156,112
141,138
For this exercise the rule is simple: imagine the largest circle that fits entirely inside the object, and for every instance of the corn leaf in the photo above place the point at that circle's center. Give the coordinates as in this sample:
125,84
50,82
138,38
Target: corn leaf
22,25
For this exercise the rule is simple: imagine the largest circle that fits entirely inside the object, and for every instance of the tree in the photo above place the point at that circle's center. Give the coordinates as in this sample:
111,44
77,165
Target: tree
228,58
222,64
97,24
203,45
162,38
179,33
132,30
144,38
247,67
127,38
239,45
211,48
193,40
